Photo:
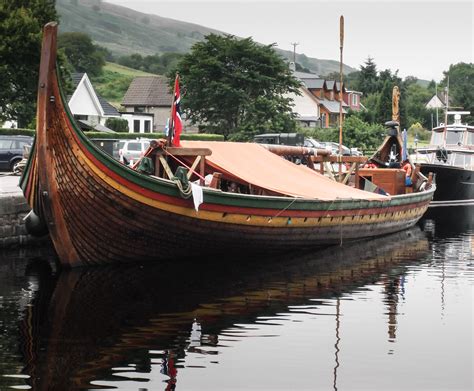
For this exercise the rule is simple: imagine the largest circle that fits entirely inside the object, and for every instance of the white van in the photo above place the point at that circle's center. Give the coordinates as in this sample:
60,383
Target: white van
131,150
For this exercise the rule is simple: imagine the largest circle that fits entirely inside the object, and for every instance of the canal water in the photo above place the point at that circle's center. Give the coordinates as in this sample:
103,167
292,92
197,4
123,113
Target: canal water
394,313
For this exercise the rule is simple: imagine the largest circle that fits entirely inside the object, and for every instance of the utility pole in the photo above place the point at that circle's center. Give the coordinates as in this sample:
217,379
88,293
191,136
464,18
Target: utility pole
295,44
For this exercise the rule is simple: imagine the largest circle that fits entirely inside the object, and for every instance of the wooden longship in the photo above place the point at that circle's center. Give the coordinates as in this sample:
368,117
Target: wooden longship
98,210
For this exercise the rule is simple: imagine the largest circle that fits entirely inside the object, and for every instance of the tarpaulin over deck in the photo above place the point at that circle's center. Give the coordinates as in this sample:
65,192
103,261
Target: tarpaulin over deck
253,164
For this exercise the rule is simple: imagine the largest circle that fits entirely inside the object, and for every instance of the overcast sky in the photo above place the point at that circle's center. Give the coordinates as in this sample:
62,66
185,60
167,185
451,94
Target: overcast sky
418,38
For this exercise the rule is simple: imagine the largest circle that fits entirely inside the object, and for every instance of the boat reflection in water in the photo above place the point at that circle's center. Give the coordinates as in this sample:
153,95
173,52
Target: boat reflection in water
447,221
98,327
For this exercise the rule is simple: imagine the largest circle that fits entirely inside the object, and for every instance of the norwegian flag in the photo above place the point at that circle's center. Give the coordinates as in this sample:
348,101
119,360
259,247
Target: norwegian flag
177,124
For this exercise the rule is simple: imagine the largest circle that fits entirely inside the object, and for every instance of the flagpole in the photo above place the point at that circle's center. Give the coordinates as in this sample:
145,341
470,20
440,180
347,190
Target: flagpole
171,123
341,36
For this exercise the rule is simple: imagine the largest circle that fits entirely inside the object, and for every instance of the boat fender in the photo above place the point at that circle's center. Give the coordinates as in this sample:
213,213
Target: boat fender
34,225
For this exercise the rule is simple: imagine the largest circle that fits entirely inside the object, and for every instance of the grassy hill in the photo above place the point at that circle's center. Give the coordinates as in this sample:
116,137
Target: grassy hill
124,31
114,82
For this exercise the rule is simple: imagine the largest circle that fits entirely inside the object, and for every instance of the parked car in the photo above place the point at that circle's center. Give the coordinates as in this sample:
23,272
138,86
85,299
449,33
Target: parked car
131,150
334,148
11,150
280,138
312,143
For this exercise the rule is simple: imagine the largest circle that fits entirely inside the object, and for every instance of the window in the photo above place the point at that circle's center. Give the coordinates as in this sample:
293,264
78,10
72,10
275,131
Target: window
461,160
470,138
134,146
140,109
437,138
354,99
80,117
136,126
147,126
6,144
453,137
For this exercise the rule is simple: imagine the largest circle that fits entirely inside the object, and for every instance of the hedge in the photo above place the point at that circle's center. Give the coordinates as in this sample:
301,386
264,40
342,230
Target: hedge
116,135
18,132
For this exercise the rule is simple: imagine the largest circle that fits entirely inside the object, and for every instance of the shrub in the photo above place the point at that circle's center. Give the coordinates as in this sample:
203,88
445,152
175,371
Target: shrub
117,124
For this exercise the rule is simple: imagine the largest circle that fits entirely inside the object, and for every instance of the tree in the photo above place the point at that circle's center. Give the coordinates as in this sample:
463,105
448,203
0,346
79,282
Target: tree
237,87
384,106
461,82
83,55
21,24
367,77
416,98
360,134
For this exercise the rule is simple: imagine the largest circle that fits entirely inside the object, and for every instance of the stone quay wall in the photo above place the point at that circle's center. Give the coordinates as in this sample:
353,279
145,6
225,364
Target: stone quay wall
13,209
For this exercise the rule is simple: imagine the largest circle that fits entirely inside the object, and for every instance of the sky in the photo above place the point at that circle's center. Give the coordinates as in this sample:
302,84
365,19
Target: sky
420,38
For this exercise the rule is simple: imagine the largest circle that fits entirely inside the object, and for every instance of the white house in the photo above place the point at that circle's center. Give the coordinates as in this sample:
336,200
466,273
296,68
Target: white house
306,108
88,106
92,111
139,122
436,102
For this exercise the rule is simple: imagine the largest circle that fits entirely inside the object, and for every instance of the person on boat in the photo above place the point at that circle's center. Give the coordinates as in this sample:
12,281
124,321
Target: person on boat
233,188
406,166
370,165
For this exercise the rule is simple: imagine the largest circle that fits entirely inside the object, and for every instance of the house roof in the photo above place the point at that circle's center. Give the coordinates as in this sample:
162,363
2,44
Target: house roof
148,91
313,83
87,125
304,75
332,105
107,108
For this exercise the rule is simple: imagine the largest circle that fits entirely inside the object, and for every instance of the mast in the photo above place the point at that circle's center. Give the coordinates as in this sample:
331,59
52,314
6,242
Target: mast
341,36
341,46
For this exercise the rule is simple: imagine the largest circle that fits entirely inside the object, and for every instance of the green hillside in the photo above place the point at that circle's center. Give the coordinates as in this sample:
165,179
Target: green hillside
124,31
114,82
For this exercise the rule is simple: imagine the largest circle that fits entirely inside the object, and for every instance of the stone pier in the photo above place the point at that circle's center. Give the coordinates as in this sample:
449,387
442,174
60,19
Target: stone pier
13,209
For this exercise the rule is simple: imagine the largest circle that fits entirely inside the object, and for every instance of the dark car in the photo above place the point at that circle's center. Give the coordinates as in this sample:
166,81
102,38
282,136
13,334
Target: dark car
11,150
280,138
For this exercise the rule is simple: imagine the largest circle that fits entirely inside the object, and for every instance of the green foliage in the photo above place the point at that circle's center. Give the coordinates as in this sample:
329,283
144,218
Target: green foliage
461,91
83,55
117,124
355,133
321,134
384,104
21,24
367,81
114,81
112,86
18,132
131,136
236,86
415,100
154,64
360,134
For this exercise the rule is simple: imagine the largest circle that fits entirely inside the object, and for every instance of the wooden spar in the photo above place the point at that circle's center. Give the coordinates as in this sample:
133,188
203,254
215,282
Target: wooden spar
341,34
288,150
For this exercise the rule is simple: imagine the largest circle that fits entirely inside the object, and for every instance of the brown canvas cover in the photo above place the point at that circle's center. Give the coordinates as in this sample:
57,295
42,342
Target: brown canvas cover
252,163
